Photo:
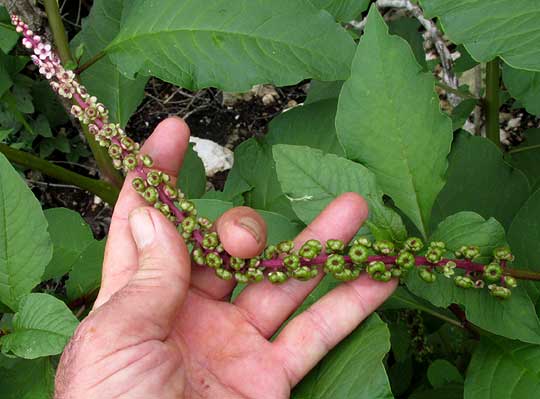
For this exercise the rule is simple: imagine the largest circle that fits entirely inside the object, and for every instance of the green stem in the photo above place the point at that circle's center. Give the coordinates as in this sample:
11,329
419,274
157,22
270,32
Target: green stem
62,45
526,148
492,103
102,189
457,92
90,62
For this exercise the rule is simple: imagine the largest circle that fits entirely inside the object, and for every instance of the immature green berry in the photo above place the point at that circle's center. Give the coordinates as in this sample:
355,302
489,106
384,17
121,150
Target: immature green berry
271,252
384,247
115,151
254,262
210,241
377,271
138,184
198,256
189,224
405,260
358,254
448,269
499,292
285,246
241,277
334,246
308,252
464,282
468,252
151,195
147,161
255,275
362,240
187,206
414,244
345,275
292,261
237,263
434,255
130,162
224,274
503,253
335,263
396,272
170,191
315,244
213,260
153,178
427,275
277,277
510,282
492,272
302,273
164,209
437,244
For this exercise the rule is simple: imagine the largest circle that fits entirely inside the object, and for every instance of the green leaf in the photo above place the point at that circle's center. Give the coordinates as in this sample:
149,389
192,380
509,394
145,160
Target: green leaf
524,237
450,391
524,86
8,36
514,318
25,247
120,94
47,103
70,236
409,29
311,180
389,120
343,10
192,176
319,91
27,379
441,372
231,44
85,277
493,28
41,327
526,156
503,369
5,80
495,189
353,369
461,113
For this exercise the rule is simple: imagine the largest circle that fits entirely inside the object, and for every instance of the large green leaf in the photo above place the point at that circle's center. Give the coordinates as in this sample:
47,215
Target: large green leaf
231,44
514,318
480,180
524,239
120,94
25,247
8,36
526,156
525,86
42,327
27,379
389,119
311,180
192,176
70,236
503,369
85,278
354,369
505,28
343,10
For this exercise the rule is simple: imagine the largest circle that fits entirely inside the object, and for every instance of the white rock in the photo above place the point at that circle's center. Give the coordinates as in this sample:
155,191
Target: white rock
215,157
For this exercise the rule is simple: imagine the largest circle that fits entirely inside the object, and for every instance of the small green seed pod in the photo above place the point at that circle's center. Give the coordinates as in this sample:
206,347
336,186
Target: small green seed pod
224,274
396,272
130,162
510,282
335,263
499,292
271,252
470,252
344,275
503,253
492,272
115,151
375,268
292,261
198,256
405,260
154,178
127,143
437,244
358,254
210,240
255,275
170,191
315,244
308,252
138,184
189,224
285,246
414,244
187,206
255,262
151,195
302,273
237,263
464,282
334,246
427,275
213,260
448,269
362,240
164,209
434,255
384,247
277,277
241,278
147,161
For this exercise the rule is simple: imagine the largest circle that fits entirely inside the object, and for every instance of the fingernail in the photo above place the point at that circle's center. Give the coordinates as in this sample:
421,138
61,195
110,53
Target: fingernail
251,226
142,227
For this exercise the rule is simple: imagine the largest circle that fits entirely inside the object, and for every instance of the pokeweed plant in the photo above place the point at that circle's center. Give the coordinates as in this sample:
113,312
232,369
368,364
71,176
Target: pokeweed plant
383,135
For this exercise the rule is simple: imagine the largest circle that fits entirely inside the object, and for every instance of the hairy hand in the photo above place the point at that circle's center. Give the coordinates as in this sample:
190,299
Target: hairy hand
160,329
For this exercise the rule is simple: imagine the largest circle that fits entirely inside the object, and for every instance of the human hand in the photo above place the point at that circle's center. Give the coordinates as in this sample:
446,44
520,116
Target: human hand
160,329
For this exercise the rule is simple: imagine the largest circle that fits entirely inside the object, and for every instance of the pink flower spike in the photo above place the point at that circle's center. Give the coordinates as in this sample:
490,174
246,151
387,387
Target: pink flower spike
28,32
37,39
19,29
27,43
36,60
43,50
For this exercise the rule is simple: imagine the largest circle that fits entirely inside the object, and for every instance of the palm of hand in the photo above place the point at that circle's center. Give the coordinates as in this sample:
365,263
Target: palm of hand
162,330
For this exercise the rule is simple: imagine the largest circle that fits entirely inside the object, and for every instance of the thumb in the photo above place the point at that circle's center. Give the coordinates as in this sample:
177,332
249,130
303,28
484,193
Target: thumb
150,301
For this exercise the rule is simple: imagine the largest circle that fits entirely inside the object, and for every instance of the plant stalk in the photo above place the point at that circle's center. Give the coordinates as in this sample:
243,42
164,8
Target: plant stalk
90,62
521,149
492,102
102,189
103,161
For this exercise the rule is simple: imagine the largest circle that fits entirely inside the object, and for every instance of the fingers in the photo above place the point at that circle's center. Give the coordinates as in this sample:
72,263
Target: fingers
147,305
166,146
243,234
310,335
267,305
